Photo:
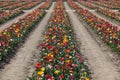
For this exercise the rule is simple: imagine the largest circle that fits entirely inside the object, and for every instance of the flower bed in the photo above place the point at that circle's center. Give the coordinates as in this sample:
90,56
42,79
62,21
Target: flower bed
46,5
60,58
109,13
7,15
11,37
108,4
14,6
30,5
7,3
87,4
107,32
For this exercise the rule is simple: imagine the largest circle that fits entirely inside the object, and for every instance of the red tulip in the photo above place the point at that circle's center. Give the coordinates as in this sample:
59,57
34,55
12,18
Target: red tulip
50,60
56,51
62,59
41,45
46,44
72,77
68,65
67,56
63,68
38,65
65,43
57,66
61,76
48,76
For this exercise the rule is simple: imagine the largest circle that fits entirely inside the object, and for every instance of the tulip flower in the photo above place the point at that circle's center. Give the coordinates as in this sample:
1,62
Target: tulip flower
58,54
38,65
40,73
56,71
105,30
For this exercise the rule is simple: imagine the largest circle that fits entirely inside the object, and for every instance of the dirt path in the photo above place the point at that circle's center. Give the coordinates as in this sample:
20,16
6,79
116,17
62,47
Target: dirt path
8,23
22,64
101,16
99,57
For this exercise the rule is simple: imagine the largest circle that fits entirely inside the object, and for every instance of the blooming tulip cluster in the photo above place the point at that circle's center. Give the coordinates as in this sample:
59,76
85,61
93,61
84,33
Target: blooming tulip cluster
6,15
17,32
60,58
11,7
19,4
87,4
46,5
7,3
110,13
109,33
12,36
108,4
30,5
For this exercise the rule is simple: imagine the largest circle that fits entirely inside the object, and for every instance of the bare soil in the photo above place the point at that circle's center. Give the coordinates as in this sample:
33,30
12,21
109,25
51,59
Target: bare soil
99,57
11,21
22,65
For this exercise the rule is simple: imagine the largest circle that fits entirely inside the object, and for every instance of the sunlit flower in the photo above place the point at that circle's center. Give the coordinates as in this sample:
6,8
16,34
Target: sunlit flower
56,71
40,73
38,65
87,78
42,69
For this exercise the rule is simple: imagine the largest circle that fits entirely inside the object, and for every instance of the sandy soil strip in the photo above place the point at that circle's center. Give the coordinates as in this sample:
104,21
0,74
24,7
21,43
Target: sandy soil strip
102,17
18,69
99,59
8,23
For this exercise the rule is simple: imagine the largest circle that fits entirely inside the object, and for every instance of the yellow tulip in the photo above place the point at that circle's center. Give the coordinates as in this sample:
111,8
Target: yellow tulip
40,73
85,73
54,37
52,55
87,78
21,35
42,69
47,37
56,71
4,33
67,61
82,77
65,39
108,29
47,40
49,54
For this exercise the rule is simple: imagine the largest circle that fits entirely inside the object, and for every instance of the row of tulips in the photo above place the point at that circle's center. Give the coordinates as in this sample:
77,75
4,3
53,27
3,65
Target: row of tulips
11,37
110,13
106,4
60,58
46,5
106,12
6,15
87,4
109,33
14,6
30,5
7,3
113,2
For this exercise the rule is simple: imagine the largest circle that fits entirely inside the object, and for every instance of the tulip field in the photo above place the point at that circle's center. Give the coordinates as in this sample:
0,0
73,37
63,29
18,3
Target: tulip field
59,39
